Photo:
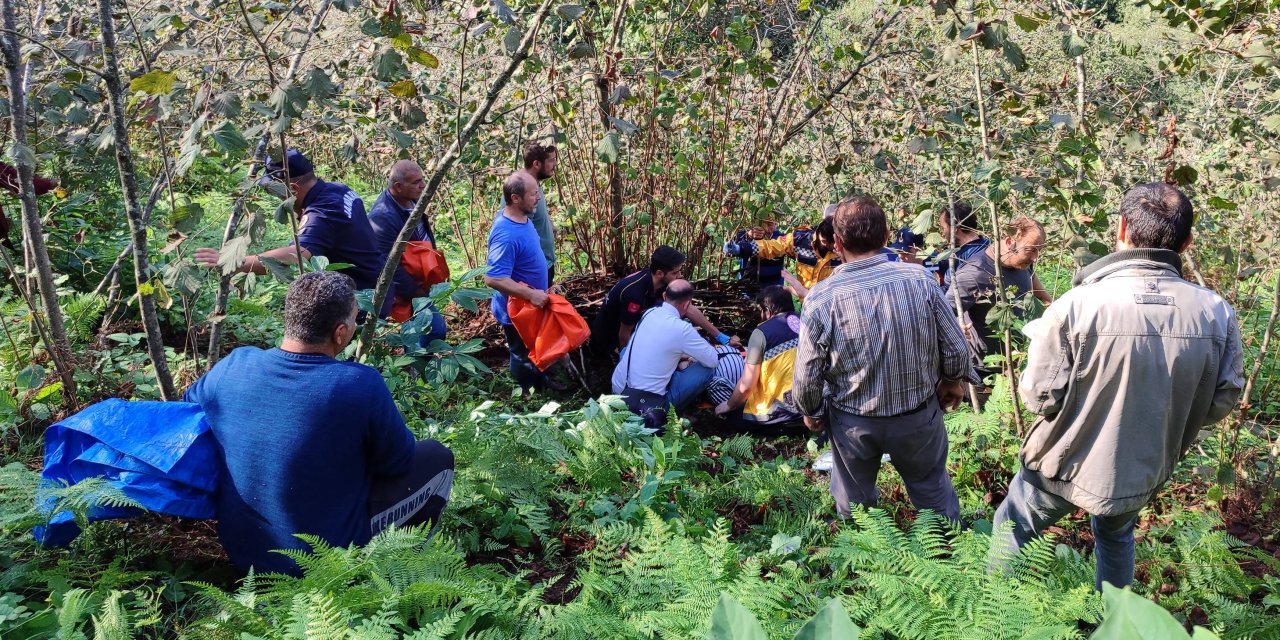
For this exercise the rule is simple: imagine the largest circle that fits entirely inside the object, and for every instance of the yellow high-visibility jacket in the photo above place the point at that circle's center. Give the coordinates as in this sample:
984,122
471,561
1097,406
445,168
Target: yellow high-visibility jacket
811,268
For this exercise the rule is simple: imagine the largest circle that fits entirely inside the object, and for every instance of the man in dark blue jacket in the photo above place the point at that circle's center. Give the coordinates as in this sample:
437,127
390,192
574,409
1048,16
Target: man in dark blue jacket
311,444
389,213
333,224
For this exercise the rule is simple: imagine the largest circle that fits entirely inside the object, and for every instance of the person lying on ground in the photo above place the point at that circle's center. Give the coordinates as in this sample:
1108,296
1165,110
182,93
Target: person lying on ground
880,357
813,250
311,444
763,393
633,295
390,212
1125,369
332,224
666,362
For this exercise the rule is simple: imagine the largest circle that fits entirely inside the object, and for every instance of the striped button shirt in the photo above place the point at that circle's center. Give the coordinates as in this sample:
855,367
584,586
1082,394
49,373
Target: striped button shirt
875,338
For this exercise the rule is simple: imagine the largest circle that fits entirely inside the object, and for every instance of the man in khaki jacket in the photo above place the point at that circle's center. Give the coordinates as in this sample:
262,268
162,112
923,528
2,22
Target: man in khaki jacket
1125,369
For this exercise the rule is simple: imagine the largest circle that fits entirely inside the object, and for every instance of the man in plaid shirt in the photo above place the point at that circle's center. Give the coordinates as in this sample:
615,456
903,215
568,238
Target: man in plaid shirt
880,356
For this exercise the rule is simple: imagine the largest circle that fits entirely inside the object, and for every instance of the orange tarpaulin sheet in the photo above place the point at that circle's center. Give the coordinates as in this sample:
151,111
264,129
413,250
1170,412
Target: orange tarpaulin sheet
550,333
428,266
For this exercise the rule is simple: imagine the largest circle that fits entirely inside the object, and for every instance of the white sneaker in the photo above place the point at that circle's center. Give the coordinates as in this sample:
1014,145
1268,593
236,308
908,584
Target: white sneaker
824,462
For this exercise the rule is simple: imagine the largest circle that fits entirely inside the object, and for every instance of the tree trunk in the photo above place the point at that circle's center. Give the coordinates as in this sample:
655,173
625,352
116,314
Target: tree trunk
440,168
134,213
604,85
237,210
32,229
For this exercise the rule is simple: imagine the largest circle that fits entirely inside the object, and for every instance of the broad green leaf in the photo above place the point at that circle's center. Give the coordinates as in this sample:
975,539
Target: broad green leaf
512,40
22,155
389,66
782,544
1027,23
317,84
283,272
161,293
1072,45
1131,617
570,11
503,12
627,128
186,216
156,83
232,254
1185,176
732,621
403,89
229,139
994,35
30,376
608,148
226,104
47,391
1013,53
832,623
423,58
581,50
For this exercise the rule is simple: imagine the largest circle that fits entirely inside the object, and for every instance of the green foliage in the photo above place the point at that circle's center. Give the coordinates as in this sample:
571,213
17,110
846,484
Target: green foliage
933,582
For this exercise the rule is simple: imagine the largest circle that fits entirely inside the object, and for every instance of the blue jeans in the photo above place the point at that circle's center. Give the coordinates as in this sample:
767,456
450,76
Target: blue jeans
1031,509
523,371
687,385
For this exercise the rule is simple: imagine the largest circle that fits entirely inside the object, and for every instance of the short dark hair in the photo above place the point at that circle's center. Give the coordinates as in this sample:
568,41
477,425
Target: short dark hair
316,304
861,225
774,299
665,259
513,187
678,291
961,215
826,229
537,152
1158,216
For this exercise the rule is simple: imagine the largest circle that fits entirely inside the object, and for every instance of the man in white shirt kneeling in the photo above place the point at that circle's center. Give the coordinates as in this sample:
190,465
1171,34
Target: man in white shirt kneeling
666,362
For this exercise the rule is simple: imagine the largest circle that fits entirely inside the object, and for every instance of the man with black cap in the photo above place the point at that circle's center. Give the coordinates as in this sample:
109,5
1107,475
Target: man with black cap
333,224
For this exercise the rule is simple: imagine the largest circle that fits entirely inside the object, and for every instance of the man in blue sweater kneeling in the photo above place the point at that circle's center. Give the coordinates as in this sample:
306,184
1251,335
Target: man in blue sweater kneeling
311,444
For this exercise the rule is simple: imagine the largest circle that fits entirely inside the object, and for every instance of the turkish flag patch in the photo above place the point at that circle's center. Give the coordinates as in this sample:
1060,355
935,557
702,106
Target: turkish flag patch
633,307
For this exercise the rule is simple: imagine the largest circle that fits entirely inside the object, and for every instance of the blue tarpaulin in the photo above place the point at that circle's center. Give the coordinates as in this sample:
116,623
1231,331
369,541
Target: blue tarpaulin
160,454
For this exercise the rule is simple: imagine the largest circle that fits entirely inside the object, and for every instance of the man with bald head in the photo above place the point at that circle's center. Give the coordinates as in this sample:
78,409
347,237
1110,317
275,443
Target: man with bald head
404,186
666,362
517,267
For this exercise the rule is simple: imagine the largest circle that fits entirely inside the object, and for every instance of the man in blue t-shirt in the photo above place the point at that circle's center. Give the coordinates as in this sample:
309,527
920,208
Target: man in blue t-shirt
332,224
389,213
311,444
517,267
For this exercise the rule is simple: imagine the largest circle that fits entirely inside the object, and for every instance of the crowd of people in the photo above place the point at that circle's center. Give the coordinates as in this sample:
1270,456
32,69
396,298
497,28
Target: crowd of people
1124,369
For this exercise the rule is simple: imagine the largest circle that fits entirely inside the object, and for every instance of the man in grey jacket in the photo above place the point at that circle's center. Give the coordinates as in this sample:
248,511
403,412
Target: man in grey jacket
1125,369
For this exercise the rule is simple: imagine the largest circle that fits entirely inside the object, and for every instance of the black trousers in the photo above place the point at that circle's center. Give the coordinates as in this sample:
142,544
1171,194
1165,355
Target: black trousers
417,496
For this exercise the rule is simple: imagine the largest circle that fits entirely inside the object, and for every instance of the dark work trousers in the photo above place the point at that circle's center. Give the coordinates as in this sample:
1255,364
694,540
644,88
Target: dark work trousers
418,495
523,371
917,446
